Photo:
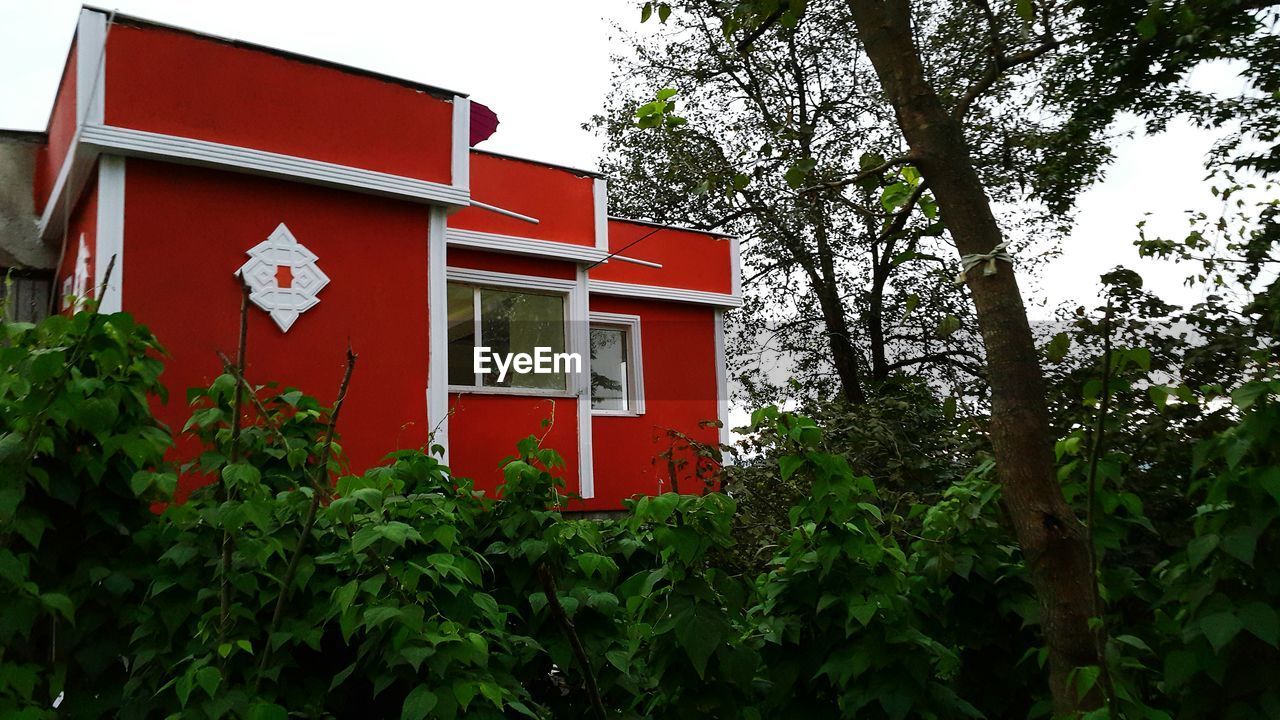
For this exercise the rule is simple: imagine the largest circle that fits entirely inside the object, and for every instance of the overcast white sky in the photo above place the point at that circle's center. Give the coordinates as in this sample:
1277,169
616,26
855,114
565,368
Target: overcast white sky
544,68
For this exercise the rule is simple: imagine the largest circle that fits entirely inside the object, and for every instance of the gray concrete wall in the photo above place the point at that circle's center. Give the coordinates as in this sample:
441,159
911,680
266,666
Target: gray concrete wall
20,246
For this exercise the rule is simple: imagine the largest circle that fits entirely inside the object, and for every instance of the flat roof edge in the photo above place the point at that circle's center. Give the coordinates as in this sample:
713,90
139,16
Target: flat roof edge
668,226
126,18
544,163
34,137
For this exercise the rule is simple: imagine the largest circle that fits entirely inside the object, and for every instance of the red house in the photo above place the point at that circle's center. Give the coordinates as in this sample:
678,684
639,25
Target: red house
357,210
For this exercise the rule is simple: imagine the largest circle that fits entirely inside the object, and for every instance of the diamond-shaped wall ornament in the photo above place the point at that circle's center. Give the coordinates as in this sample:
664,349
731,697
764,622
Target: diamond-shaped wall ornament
284,295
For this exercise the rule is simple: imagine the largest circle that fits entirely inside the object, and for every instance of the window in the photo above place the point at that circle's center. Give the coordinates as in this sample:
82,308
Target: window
616,376
509,323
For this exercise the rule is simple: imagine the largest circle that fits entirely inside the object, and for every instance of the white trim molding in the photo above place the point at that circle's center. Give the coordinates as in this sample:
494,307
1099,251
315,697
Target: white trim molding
512,245
635,355
501,279
110,242
600,206
655,292
568,289
75,171
140,143
437,332
722,381
91,61
580,304
460,165
735,267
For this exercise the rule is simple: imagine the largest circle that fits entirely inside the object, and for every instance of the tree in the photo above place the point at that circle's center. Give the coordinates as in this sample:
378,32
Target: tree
933,122
854,284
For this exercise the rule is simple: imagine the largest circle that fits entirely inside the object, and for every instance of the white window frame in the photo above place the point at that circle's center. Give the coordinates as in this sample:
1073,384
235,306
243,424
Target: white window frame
547,286
630,324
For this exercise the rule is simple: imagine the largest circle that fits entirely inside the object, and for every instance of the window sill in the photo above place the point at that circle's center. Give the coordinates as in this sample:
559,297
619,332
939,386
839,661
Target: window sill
617,413
519,392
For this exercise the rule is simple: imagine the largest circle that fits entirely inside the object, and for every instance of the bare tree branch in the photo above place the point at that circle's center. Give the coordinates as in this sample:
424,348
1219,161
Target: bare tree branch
855,179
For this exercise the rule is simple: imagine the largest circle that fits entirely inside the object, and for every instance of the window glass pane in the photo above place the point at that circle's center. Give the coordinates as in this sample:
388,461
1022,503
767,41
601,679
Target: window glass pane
462,334
609,369
517,322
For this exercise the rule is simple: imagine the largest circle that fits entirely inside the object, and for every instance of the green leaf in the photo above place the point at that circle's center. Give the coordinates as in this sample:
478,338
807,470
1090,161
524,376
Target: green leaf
913,301
1085,678
60,603
1261,620
1199,549
699,635
1180,666
1246,395
1220,627
870,160
208,678
948,326
1025,10
241,474
418,703
895,195
1241,543
1159,395
97,415
11,444
140,482
267,711
11,495
789,464
1133,642
1057,348
1146,27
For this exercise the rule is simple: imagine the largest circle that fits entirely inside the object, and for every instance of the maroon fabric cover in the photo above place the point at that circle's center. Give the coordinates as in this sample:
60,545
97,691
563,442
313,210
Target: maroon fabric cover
483,122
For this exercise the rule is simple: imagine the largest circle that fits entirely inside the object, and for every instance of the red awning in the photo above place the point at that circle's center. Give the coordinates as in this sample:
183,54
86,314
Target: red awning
483,122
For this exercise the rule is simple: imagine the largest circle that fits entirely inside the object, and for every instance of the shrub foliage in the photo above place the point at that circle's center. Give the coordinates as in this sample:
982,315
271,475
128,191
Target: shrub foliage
288,586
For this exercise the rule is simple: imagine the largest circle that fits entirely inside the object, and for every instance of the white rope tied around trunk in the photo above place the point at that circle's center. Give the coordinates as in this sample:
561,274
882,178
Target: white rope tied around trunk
969,262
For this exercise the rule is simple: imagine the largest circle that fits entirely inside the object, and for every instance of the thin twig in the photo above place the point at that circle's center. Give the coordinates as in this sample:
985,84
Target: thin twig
224,564
250,393
760,29
73,358
575,642
106,278
861,175
319,487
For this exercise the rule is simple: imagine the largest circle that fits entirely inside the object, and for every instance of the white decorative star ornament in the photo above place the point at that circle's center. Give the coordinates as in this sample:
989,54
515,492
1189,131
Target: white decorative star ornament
283,277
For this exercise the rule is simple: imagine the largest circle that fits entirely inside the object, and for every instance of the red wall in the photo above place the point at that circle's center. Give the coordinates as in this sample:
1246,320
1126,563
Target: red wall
690,260
511,264
678,347
484,430
186,233
561,200
62,127
177,83
83,220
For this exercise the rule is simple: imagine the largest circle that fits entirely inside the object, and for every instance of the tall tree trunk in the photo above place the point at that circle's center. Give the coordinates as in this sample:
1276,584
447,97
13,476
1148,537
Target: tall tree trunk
875,317
827,286
844,356
819,267
1051,536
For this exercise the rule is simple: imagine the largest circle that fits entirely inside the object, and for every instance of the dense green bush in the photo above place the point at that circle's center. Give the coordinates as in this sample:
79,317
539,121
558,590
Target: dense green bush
275,591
